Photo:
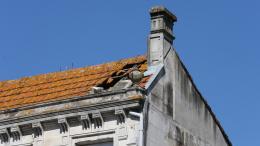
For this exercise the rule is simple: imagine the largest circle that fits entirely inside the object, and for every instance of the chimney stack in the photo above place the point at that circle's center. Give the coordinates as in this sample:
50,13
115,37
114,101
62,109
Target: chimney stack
161,36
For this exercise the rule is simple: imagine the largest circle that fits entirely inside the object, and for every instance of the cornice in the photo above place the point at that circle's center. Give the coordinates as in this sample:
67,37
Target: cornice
130,98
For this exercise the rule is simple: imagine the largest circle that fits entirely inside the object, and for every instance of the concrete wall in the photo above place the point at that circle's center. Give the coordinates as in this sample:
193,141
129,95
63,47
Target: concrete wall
177,114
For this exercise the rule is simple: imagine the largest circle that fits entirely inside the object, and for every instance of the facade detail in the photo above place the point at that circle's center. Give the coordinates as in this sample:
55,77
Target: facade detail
37,129
121,116
4,136
141,101
85,121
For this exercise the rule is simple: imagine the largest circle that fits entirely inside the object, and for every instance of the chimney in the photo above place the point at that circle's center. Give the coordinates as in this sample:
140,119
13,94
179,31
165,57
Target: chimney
161,35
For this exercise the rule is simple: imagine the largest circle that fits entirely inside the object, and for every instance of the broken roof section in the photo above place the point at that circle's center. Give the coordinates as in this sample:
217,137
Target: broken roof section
67,84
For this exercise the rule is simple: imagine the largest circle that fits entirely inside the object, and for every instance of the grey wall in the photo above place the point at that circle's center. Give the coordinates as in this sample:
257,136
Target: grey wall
177,114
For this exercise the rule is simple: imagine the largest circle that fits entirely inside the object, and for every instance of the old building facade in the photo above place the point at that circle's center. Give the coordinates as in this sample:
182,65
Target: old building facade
142,101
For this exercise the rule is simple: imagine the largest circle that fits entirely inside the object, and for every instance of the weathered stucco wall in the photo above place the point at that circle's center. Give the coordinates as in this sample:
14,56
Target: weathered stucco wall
177,113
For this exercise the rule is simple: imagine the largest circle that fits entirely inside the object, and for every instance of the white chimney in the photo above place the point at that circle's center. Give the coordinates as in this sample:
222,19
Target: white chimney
161,35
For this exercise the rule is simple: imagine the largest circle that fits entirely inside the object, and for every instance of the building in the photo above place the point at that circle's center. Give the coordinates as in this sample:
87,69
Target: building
142,101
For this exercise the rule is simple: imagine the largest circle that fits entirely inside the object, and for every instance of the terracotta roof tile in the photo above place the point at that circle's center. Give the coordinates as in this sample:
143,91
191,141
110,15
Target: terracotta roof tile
65,84
143,82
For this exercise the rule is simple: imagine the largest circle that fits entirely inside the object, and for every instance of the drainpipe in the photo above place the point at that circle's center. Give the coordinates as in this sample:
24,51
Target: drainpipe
140,116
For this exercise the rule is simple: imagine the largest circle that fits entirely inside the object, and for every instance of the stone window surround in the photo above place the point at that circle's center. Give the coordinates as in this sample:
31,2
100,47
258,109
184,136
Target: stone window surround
93,138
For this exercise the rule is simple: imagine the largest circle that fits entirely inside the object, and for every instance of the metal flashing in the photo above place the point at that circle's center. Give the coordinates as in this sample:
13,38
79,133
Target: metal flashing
155,71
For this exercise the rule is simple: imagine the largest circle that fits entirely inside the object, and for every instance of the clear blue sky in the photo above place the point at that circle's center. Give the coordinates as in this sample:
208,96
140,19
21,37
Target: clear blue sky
217,40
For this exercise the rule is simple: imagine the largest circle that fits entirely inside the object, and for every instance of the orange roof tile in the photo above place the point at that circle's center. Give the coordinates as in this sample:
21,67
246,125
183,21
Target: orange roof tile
143,82
65,84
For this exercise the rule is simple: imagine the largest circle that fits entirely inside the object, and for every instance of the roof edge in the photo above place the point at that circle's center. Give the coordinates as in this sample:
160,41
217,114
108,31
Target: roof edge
204,101
75,98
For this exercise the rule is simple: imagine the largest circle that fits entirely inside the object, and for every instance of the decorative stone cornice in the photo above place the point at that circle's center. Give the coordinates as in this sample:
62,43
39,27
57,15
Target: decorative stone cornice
90,120
91,115
4,135
63,124
37,129
121,116
15,133
97,119
85,121
70,113
78,98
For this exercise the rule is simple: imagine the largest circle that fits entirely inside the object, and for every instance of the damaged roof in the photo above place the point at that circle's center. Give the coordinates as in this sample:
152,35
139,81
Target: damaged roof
67,84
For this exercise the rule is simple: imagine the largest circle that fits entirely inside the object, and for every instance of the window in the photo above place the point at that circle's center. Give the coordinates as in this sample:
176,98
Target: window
101,144
110,143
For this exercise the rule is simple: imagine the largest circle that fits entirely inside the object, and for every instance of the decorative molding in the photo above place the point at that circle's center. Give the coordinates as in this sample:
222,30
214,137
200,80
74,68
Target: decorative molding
122,132
63,124
85,121
97,119
15,133
37,129
102,135
4,135
89,118
71,112
121,116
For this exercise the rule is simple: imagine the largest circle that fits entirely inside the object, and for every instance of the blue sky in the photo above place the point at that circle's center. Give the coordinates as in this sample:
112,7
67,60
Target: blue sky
217,40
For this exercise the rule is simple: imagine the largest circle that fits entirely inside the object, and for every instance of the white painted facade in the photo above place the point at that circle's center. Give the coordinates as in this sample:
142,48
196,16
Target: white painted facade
123,134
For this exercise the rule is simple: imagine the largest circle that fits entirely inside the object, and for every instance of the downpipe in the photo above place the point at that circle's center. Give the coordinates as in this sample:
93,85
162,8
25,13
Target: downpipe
141,126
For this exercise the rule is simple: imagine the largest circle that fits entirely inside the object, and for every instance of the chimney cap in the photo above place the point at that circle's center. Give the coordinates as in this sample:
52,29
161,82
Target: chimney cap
162,10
